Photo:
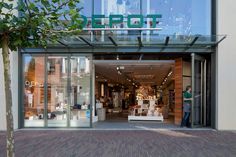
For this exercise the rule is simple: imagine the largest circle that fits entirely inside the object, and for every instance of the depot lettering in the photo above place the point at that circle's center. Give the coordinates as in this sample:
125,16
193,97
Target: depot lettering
133,21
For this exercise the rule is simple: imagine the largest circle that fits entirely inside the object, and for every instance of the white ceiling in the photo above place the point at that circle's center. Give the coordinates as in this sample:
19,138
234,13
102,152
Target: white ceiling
141,72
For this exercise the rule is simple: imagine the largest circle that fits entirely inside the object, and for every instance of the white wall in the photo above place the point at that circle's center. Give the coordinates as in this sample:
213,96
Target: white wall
14,85
226,54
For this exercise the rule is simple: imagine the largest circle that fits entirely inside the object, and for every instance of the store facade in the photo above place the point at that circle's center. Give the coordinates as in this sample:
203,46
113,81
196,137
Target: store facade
53,80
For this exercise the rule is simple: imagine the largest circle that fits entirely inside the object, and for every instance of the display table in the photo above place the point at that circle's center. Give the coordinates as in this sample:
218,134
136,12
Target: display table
147,110
101,114
144,118
79,113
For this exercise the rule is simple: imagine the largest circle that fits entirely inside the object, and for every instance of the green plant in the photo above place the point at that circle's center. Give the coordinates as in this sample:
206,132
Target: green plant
32,23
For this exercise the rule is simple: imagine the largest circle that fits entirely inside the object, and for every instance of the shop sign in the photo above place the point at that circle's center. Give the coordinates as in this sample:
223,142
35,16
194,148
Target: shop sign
133,21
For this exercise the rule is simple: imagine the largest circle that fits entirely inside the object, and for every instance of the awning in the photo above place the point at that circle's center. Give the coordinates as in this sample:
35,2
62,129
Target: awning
135,40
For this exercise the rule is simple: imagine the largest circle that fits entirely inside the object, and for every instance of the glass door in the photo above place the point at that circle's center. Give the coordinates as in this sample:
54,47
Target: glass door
198,115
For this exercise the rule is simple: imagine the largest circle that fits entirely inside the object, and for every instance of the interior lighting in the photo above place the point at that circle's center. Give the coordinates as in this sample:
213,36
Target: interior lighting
117,57
122,67
169,73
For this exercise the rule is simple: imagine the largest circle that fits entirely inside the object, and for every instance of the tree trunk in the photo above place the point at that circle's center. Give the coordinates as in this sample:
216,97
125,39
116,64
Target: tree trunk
8,97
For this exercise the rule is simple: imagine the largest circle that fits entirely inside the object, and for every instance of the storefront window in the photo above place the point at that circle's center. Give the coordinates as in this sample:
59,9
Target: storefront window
180,17
86,6
63,99
117,7
80,92
57,93
33,90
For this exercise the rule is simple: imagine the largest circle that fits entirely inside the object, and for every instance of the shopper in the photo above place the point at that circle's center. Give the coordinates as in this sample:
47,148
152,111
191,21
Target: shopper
187,107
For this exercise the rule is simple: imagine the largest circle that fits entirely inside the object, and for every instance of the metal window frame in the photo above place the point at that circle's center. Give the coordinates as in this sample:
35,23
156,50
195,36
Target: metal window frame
21,87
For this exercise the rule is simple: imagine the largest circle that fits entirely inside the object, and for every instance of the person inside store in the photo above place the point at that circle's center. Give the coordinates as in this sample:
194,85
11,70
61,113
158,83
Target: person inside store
109,103
187,96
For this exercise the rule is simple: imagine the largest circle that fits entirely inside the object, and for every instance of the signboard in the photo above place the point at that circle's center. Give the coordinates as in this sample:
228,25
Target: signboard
132,21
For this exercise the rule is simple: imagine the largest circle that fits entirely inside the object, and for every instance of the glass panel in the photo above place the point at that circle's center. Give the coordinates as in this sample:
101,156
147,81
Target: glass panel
86,6
57,95
120,7
33,90
80,91
197,93
123,7
180,16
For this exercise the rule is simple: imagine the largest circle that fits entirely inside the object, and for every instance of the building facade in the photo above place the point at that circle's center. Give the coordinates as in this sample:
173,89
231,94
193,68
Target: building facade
48,84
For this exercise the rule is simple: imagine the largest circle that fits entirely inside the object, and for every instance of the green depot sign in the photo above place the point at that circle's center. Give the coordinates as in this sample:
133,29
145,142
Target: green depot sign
119,19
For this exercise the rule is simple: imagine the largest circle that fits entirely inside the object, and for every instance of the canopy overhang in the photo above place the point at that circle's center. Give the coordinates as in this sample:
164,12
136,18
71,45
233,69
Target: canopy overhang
137,40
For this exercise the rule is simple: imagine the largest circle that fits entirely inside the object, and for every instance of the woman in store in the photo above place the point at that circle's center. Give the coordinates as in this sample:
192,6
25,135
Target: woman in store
187,107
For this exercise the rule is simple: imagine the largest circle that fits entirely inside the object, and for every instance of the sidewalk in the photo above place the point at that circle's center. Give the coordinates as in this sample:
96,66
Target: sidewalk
122,143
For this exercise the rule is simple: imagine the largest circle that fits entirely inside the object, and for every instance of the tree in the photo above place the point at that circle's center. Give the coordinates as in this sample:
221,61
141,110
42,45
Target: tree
32,23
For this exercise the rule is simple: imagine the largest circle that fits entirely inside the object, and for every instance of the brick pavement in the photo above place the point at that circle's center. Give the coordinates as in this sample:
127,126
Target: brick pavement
122,143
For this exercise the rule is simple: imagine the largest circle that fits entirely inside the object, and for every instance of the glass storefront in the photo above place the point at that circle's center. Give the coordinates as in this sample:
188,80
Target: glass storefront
61,98
57,89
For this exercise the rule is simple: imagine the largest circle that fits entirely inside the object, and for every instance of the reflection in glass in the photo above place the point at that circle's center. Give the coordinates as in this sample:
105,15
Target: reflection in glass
86,6
57,94
123,7
180,17
197,92
80,92
33,91
67,98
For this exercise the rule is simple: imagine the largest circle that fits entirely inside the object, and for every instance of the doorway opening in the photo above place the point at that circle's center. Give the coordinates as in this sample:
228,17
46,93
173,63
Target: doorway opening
129,90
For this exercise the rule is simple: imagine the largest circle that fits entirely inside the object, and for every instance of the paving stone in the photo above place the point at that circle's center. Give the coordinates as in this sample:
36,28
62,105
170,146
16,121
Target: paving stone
122,143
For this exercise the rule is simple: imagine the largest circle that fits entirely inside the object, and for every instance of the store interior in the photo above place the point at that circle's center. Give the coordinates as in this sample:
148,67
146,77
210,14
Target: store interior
135,90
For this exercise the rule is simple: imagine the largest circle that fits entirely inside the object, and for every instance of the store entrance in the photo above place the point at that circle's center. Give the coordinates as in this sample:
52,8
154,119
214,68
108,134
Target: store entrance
131,91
